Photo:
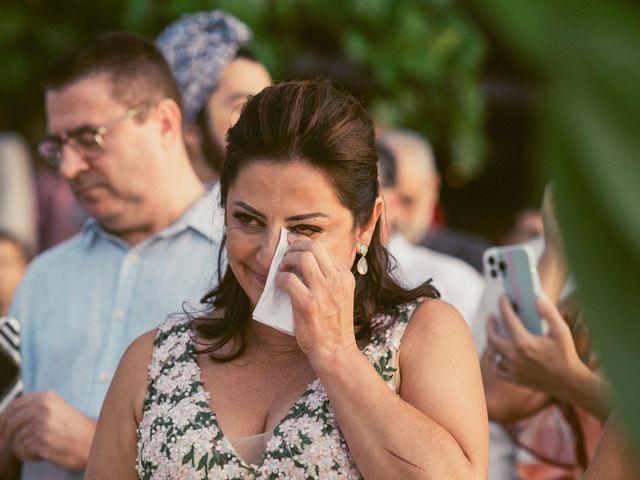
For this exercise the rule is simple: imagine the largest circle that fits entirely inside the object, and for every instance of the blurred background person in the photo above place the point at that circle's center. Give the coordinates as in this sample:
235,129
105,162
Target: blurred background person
13,263
18,214
546,390
527,225
215,73
114,128
458,283
418,191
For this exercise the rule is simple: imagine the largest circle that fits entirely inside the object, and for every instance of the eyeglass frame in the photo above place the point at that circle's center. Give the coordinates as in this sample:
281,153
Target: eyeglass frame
97,133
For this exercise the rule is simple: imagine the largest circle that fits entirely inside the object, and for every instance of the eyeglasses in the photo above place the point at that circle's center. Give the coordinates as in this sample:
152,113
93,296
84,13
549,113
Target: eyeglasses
87,141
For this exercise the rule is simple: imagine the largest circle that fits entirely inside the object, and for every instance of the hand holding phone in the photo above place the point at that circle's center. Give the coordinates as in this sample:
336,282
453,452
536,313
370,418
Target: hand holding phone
512,271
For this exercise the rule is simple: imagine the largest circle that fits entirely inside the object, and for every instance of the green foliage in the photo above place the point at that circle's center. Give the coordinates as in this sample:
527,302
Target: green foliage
419,60
586,51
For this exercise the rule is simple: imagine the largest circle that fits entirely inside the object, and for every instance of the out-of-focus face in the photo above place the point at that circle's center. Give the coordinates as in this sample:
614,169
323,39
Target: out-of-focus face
390,212
268,195
12,267
528,225
417,192
240,79
116,185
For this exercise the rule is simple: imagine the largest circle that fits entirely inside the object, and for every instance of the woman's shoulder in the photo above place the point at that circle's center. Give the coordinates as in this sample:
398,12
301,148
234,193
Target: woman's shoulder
139,352
434,321
424,310
435,315
411,319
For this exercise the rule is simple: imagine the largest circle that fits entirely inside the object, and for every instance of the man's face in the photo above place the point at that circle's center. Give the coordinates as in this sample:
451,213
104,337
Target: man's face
240,79
417,193
390,211
115,186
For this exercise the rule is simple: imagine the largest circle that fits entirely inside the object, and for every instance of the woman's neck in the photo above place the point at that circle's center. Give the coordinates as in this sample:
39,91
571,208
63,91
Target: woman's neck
268,340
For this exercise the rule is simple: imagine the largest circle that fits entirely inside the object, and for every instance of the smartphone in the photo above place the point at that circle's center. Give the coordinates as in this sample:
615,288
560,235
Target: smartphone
512,271
10,378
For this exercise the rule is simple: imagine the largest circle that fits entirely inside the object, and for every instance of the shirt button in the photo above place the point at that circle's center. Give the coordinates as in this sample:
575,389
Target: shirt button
134,257
104,377
118,315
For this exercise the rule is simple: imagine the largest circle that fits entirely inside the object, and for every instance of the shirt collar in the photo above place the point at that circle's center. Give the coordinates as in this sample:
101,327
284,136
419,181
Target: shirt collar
205,217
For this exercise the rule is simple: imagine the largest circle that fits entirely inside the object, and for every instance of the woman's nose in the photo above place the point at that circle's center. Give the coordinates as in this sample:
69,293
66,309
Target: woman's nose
268,248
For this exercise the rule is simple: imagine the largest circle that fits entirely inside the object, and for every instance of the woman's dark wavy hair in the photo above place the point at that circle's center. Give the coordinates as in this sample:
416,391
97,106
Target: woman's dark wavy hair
313,122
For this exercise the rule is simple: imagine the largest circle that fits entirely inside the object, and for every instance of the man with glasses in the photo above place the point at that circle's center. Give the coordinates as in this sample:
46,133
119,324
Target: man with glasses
114,133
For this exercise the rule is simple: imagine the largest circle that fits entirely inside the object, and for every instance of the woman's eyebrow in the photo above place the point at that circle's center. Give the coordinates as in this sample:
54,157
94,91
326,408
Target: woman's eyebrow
249,208
293,218
306,216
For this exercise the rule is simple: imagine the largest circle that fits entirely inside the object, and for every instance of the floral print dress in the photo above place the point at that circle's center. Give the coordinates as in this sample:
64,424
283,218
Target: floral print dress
179,438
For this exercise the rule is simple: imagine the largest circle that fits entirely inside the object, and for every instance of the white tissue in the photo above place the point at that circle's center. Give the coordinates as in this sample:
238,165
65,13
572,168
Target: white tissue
274,307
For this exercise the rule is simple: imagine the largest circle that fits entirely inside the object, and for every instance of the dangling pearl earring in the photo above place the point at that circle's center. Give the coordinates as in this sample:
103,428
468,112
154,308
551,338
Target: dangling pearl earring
362,267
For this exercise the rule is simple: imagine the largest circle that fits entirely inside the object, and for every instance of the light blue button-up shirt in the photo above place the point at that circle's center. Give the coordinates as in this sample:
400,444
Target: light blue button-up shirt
83,302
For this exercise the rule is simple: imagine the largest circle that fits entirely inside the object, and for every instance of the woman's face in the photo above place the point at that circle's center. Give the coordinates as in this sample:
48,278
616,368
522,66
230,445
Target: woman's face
268,195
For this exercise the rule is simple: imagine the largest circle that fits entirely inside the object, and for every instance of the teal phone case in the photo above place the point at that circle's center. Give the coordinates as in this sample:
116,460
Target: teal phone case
513,268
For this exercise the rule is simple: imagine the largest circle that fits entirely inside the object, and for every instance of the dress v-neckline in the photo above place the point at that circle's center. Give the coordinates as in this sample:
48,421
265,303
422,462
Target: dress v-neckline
311,386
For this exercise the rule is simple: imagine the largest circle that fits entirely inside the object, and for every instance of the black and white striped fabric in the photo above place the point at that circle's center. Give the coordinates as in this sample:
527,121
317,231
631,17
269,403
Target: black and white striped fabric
10,379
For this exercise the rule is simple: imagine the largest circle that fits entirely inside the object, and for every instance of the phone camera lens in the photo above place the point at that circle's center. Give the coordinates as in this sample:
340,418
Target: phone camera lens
494,273
492,261
502,266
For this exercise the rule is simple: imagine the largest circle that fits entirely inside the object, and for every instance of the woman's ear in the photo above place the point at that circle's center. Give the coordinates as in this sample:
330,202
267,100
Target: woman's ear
366,232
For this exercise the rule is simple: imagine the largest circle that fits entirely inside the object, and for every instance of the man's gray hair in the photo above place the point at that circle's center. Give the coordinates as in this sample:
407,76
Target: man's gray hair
417,143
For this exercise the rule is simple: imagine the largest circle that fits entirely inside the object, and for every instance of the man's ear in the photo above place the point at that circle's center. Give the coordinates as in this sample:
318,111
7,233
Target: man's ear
170,118
366,232
435,184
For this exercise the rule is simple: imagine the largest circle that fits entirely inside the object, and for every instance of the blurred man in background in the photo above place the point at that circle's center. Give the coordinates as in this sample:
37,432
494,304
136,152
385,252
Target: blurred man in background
215,73
418,189
458,283
13,264
114,126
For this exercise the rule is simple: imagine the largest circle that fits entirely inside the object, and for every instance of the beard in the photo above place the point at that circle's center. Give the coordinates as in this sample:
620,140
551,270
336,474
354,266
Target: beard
213,153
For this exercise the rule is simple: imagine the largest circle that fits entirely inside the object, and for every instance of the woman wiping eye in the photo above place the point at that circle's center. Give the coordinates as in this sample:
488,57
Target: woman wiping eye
378,381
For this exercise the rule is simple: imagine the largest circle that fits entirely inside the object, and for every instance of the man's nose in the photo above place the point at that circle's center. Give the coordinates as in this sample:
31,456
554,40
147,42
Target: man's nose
268,248
71,162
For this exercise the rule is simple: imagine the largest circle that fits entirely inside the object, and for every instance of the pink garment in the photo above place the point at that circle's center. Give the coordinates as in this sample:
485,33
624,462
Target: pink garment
556,443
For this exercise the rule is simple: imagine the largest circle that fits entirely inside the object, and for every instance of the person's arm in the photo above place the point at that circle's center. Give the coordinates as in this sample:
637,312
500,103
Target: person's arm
114,449
437,427
42,426
506,401
614,459
548,363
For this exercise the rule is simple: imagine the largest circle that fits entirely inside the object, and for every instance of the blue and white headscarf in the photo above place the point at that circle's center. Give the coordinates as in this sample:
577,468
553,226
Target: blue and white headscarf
198,47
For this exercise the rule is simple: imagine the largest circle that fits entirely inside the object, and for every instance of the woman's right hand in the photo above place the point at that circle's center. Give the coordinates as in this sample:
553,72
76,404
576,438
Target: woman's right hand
321,291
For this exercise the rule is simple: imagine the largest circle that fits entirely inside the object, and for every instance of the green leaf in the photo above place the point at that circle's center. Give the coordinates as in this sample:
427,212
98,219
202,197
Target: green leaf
583,51
189,457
